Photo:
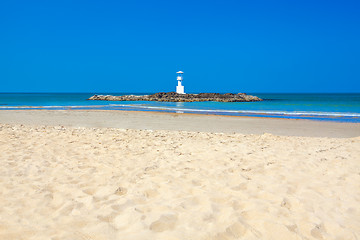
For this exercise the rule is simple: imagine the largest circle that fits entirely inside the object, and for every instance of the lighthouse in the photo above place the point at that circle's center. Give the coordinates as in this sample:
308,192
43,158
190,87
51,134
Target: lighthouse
180,87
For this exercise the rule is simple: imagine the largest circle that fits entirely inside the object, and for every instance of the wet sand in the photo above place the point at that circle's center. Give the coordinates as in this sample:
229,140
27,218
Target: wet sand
181,122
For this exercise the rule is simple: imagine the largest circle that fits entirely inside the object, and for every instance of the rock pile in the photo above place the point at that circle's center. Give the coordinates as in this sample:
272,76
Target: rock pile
175,97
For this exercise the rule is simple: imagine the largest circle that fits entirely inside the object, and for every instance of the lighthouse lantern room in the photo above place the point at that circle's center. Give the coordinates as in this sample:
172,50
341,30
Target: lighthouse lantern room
180,87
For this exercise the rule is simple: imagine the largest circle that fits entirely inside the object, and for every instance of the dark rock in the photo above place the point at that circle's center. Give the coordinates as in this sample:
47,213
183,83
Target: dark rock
175,97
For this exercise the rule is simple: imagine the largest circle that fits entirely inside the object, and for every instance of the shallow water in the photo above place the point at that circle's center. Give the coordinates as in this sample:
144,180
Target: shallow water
328,107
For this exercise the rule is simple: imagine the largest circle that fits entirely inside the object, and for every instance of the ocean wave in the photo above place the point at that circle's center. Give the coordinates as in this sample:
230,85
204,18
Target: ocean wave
272,112
194,110
51,107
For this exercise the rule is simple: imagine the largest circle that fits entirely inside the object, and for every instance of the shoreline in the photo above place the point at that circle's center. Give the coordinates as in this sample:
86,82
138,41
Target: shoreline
181,122
277,114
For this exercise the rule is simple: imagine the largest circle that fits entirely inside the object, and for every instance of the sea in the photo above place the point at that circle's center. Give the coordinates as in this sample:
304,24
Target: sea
320,107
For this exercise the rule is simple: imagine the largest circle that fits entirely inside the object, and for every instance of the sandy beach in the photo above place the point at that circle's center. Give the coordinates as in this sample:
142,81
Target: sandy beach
120,175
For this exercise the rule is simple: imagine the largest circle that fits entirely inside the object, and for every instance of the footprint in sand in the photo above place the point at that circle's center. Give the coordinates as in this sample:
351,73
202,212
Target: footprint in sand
150,193
317,231
164,223
120,191
234,231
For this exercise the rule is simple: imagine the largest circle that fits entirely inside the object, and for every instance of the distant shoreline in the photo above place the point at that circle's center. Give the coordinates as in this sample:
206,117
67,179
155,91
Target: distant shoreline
180,122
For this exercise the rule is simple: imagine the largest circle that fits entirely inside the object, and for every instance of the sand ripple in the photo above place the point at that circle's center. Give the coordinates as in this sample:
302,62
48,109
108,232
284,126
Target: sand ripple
85,183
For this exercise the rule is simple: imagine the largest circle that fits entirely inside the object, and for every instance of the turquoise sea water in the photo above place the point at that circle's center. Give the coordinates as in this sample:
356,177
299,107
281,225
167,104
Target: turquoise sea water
328,107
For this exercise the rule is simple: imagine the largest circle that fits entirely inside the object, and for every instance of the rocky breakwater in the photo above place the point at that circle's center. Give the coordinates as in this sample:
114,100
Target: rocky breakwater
175,97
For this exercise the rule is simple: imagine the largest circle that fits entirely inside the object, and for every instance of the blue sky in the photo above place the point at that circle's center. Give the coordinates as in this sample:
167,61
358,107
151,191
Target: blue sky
137,46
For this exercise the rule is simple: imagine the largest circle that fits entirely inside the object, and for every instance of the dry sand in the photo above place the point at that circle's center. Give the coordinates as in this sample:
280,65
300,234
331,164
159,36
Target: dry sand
106,183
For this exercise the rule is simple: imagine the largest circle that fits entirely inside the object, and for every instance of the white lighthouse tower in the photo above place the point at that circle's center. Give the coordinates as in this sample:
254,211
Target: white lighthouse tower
180,87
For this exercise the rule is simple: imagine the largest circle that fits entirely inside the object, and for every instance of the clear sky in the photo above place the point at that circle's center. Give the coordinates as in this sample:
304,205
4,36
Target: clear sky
222,46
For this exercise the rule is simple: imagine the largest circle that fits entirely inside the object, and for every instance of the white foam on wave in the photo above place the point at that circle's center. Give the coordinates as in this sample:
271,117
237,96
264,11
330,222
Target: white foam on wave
219,111
296,113
50,107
